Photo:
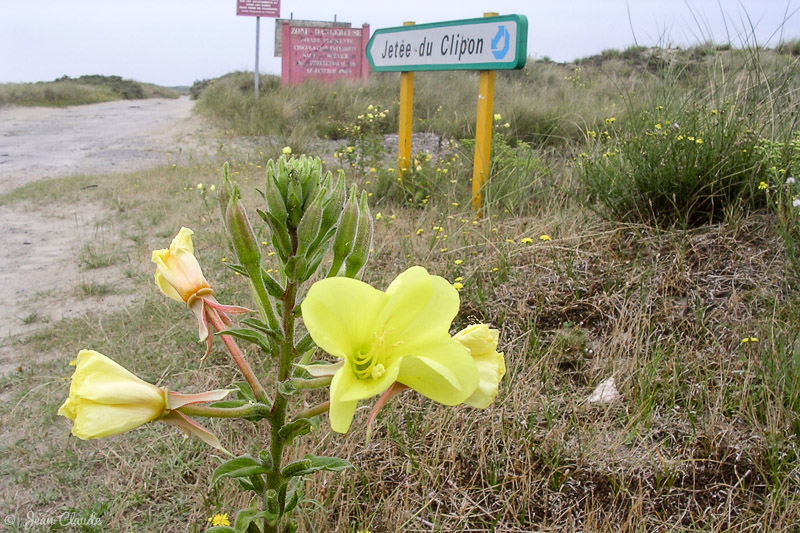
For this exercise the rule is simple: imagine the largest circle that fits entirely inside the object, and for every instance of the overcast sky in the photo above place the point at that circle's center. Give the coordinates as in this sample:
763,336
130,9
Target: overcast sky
175,42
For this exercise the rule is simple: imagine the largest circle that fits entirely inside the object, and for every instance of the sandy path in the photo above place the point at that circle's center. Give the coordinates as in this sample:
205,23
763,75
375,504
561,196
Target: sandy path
40,279
126,135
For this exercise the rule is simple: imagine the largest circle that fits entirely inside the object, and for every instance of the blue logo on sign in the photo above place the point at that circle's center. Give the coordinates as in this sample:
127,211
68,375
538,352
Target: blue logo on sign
502,34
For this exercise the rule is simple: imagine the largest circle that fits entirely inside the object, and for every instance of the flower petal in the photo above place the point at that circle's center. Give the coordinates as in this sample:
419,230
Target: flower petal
341,412
340,314
443,371
420,306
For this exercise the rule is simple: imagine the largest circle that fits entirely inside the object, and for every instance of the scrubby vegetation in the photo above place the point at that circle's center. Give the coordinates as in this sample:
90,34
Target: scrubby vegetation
90,89
641,223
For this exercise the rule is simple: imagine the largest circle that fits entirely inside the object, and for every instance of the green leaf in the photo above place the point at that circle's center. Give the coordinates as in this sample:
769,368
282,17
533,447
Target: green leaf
287,388
298,427
244,391
256,337
240,467
276,335
237,268
314,463
273,287
246,518
305,344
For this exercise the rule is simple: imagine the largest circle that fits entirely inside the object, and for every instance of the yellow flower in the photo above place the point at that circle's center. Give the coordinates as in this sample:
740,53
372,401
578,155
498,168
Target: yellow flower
763,186
378,216
220,520
179,277
178,273
458,261
458,285
400,335
544,237
482,344
419,231
526,240
498,117
106,399
749,339
286,150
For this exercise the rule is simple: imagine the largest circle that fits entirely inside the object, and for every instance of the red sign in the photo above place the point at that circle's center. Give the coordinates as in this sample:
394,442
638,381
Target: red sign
326,53
258,8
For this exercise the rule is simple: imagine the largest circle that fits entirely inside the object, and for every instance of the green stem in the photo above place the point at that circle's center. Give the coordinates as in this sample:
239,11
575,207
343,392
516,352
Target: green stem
263,301
222,412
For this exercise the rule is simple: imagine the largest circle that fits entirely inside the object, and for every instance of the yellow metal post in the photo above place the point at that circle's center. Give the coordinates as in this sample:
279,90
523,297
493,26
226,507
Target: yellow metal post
405,119
483,134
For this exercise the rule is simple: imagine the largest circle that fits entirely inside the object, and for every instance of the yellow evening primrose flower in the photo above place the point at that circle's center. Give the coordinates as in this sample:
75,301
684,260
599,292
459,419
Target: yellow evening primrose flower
106,399
482,344
400,335
179,277
178,274
219,520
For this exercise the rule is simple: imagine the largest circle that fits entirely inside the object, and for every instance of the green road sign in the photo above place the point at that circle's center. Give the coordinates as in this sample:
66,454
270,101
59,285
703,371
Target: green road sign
487,43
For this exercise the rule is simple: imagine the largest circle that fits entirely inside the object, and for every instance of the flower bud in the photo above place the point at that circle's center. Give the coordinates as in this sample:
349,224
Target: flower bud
482,344
242,237
345,233
294,202
275,202
309,226
360,252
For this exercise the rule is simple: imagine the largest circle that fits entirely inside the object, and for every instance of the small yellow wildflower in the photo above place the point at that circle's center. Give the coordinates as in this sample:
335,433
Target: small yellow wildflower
544,237
763,186
749,339
526,240
419,231
220,520
497,117
510,241
378,216
286,150
458,261
458,286
495,269
459,278
350,149
213,188
74,362
699,141
443,250
610,120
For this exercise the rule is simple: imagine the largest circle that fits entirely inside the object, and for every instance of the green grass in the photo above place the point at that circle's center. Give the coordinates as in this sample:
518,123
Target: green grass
67,91
696,322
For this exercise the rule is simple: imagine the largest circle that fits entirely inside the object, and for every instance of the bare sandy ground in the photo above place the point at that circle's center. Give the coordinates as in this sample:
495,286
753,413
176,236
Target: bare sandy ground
40,279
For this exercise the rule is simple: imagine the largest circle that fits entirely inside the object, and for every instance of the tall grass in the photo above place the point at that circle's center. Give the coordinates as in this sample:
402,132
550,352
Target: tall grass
67,91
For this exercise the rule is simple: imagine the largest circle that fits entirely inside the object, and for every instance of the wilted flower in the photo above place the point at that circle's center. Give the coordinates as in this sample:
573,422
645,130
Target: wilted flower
179,276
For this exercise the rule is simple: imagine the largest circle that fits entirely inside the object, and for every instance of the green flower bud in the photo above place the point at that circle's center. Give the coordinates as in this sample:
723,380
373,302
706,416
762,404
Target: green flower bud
294,202
275,203
345,233
242,237
309,226
363,241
